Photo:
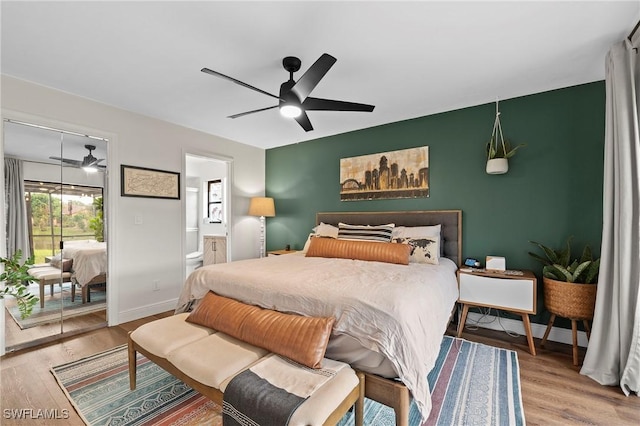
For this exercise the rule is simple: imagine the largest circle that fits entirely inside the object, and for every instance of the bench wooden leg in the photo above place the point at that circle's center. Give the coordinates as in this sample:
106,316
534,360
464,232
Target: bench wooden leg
42,284
132,365
360,402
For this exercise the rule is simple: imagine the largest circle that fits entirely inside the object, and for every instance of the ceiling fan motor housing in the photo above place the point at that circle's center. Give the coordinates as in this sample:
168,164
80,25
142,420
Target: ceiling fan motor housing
291,64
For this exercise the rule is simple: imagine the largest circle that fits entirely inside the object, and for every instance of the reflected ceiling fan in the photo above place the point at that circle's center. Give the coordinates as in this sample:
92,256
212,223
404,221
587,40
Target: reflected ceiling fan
294,99
88,163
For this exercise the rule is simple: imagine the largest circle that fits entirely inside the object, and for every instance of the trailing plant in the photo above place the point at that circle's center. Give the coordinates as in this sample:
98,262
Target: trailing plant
97,223
14,276
502,149
559,266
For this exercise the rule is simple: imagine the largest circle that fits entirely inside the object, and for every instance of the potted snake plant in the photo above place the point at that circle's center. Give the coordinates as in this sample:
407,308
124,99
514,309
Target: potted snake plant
569,284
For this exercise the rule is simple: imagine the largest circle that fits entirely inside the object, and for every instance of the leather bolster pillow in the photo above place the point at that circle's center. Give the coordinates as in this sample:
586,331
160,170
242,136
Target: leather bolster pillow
297,337
360,250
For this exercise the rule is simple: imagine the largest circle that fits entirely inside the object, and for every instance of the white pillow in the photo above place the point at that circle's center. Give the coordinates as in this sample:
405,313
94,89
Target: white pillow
423,249
416,231
326,230
308,242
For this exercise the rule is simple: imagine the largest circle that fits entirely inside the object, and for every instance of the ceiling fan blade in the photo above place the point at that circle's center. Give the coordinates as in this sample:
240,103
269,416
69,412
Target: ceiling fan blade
94,162
68,161
317,104
251,112
241,83
312,77
303,120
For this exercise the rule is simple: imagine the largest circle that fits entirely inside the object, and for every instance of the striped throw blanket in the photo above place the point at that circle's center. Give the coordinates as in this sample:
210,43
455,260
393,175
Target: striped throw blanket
269,392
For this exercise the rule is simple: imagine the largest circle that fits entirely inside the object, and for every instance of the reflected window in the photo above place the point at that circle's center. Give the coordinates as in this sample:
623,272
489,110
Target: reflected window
55,210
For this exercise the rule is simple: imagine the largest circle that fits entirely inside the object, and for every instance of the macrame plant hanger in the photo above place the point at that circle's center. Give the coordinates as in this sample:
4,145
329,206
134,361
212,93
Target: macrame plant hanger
497,165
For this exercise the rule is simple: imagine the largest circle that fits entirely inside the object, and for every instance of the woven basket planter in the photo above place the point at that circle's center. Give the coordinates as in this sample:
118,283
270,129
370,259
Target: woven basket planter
570,300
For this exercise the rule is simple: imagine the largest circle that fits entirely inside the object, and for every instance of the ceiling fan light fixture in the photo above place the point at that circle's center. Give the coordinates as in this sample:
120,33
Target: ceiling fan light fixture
90,169
290,111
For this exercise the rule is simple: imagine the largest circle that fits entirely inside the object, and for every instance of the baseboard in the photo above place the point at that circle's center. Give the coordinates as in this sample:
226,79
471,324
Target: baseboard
147,310
492,322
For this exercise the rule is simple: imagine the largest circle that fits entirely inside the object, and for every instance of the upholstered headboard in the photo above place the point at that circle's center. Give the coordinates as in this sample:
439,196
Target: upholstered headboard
450,220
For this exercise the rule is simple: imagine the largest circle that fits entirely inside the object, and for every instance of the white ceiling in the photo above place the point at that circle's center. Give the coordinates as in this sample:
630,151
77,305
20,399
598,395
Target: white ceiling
409,59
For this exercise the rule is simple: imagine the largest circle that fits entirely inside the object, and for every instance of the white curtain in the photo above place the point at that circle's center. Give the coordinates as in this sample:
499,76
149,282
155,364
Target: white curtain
16,214
613,354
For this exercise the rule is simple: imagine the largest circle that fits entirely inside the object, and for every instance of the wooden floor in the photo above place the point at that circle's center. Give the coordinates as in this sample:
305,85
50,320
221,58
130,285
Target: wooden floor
553,391
16,337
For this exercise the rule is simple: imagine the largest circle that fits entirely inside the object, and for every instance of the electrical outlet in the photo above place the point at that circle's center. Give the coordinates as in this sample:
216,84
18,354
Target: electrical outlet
155,285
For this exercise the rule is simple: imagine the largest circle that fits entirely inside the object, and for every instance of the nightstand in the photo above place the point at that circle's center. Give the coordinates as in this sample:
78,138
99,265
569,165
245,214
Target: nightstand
279,252
499,290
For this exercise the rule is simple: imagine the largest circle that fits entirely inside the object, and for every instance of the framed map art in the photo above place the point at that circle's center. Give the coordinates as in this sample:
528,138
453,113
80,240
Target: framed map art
149,183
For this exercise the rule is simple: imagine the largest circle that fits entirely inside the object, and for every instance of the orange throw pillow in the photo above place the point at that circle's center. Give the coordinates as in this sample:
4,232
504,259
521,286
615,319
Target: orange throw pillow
360,250
297,337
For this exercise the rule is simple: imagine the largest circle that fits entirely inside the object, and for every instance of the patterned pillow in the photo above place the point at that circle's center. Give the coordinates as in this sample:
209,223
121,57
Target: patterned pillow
423,249
365,232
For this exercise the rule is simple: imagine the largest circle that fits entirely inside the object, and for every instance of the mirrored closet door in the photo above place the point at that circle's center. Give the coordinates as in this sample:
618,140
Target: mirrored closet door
56,187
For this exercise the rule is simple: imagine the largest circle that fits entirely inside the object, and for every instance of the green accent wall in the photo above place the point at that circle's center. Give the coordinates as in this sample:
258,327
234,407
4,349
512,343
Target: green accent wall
553,188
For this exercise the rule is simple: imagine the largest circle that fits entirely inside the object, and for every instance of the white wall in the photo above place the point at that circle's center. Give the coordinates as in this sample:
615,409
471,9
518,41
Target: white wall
141,254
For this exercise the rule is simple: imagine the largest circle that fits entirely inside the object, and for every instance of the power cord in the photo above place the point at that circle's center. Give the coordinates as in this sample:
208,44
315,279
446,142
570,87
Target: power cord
486,319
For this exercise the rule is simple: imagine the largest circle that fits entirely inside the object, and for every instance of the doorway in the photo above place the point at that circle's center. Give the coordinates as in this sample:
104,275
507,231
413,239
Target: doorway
207,210
56,218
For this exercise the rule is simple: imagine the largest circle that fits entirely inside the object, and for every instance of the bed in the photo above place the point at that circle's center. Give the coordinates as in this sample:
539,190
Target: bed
390,318
88,263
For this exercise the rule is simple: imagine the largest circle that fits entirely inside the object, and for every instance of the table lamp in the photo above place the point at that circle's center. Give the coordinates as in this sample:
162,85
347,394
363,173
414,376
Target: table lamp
262,207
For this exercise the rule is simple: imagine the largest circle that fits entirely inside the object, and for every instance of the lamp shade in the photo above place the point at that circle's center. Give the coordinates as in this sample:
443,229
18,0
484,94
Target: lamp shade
262,206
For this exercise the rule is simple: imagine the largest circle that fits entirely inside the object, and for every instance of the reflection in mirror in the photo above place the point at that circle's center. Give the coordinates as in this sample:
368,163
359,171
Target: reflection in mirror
55,183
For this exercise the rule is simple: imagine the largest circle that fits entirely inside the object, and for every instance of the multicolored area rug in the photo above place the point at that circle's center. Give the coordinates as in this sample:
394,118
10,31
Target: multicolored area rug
470,384
51,312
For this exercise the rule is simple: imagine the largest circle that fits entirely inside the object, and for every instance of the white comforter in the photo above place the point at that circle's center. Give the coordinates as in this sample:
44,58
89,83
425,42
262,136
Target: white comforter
89,259
398,310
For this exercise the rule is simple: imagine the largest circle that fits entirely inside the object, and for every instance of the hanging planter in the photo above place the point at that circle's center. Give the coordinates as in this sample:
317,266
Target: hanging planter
498,150
497,166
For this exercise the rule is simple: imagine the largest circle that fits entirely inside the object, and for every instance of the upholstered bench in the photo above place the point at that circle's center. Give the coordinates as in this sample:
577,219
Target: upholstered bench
212,361
50,275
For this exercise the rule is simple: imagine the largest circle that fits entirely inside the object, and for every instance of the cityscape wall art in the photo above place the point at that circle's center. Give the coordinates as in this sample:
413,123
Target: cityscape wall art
394,174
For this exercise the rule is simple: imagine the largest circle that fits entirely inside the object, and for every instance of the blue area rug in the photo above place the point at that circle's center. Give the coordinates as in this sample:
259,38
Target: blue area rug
52,313
471,384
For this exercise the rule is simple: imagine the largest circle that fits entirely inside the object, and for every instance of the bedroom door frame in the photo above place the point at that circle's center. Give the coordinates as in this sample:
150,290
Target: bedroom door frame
108,193
228,197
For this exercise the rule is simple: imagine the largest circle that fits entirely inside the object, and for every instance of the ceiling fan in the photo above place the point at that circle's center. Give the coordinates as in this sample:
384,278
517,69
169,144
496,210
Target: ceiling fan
88,163
294,99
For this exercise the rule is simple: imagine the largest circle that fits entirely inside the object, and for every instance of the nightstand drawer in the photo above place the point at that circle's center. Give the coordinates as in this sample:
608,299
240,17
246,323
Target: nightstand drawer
516,294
